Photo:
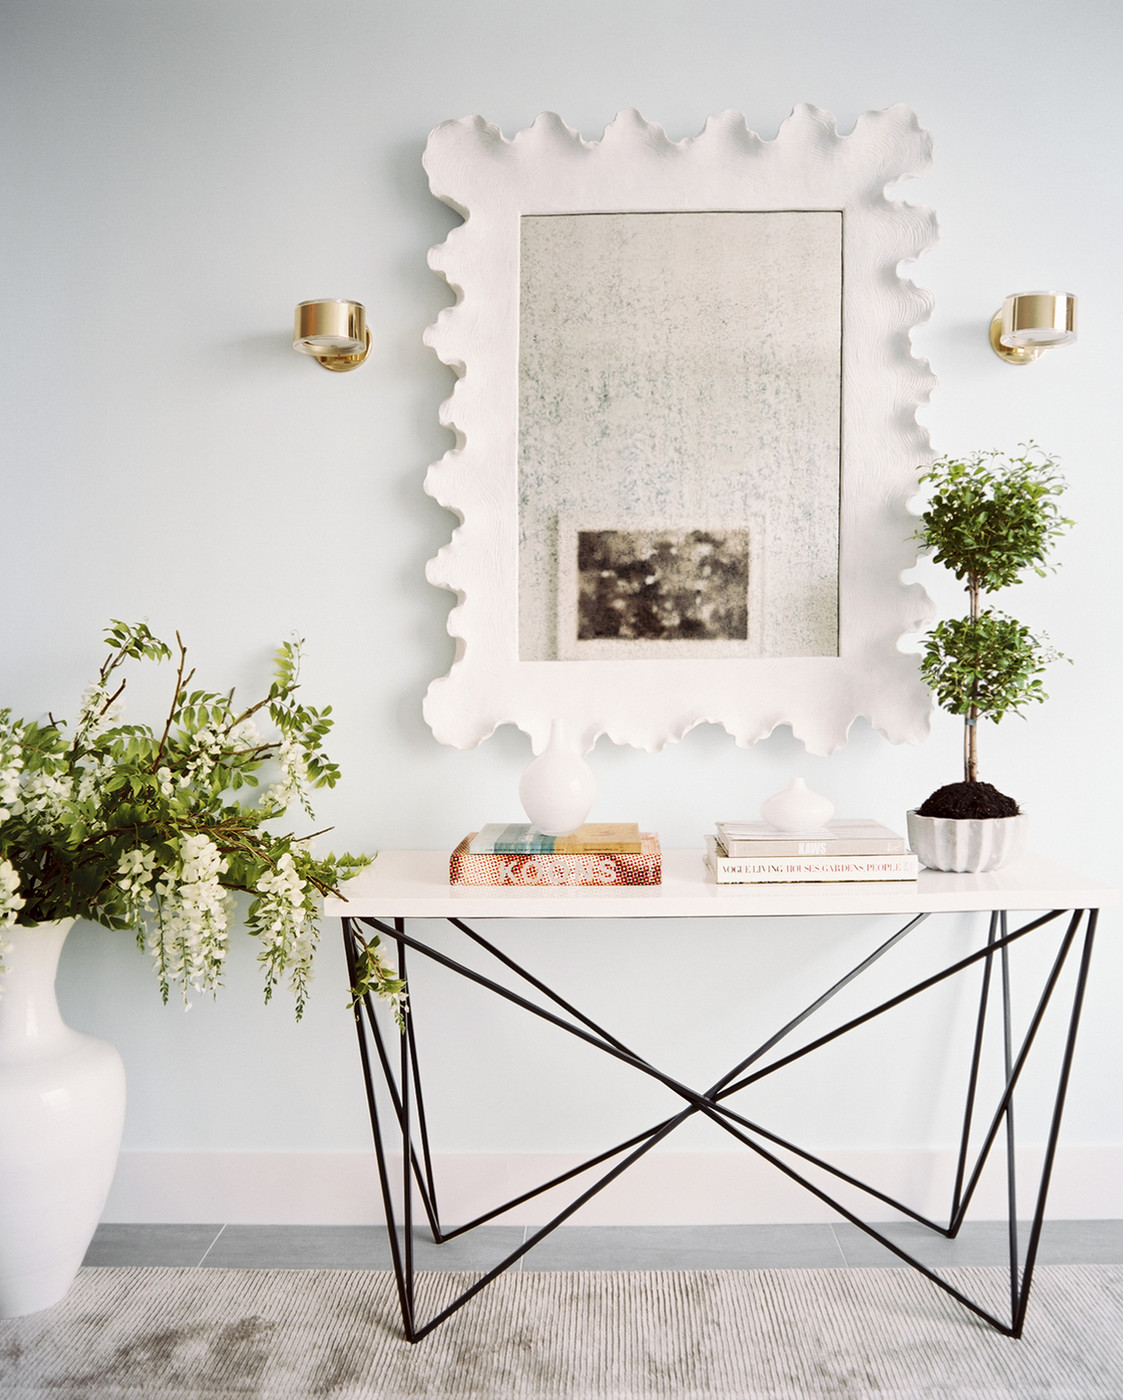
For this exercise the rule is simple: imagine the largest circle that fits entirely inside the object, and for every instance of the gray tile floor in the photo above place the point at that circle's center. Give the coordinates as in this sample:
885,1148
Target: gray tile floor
595,1247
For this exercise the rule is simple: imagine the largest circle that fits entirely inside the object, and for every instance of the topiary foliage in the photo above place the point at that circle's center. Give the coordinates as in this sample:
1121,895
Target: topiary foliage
990,518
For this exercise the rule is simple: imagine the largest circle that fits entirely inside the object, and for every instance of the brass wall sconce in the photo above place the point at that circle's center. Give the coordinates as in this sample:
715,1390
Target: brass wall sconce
1030,323
334,333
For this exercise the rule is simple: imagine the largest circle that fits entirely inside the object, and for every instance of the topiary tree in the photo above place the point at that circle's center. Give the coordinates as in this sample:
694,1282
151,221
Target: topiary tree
990,519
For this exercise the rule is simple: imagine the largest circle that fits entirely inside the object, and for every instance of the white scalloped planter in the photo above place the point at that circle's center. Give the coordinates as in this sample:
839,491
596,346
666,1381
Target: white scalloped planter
966,844
62,1110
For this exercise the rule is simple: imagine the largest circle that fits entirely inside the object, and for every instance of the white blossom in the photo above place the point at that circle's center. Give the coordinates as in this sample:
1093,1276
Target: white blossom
95,712
136,876
245,735
44,795
188,936
285,924
385,976
96,770
207,744
11,767
294,775
385,966
9,788
10,900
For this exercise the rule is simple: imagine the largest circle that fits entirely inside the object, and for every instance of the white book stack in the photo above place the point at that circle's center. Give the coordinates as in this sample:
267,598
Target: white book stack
845,849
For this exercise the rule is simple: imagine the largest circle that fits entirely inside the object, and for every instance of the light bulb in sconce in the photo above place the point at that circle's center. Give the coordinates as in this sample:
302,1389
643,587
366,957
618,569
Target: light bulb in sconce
1029,323
334,333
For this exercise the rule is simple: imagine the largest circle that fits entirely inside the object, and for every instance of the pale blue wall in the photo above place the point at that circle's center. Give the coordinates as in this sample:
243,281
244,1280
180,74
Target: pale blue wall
175,177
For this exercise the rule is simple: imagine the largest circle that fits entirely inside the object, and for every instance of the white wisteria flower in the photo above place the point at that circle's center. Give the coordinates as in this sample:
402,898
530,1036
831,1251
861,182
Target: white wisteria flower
98,710
136,877
10,900
9,790
156,829
187,931
294,777
283,920
44,795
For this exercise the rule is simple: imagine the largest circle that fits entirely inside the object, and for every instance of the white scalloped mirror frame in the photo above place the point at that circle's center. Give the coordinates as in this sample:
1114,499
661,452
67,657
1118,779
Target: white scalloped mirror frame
643,701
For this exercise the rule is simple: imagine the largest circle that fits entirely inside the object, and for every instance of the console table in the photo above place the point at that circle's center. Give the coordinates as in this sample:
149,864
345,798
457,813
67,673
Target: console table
1034,899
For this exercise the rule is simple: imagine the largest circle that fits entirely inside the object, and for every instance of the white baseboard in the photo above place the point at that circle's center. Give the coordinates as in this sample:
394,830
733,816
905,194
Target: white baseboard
663,1188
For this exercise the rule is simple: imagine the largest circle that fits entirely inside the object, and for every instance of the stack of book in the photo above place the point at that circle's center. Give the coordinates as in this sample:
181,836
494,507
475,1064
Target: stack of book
604,853
846,849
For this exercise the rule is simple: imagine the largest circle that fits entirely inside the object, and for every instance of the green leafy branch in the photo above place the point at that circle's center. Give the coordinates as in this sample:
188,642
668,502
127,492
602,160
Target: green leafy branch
134,827
374,974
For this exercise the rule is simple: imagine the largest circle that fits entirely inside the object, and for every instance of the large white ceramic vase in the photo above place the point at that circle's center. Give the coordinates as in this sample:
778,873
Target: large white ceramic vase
62,1111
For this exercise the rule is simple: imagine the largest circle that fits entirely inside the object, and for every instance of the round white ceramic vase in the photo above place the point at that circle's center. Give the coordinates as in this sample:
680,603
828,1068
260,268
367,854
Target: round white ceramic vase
62,1111
797,808
558,788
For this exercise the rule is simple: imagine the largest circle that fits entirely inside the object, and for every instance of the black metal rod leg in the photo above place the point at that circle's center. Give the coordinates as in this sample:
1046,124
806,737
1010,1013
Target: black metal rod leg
1011,1153
998,1119
407,1142
364,1008
955,1218
422,1170
1034,1240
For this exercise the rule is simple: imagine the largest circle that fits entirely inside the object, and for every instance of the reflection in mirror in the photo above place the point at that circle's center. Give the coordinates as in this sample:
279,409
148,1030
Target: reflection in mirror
676,370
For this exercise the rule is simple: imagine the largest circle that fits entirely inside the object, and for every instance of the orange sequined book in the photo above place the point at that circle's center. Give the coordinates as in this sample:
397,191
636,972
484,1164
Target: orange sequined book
590,868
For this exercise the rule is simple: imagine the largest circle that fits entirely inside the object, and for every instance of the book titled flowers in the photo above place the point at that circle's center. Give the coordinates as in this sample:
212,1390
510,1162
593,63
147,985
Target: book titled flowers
543,869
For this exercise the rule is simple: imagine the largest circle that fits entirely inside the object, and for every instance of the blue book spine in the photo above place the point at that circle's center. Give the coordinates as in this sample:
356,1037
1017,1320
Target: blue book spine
516,838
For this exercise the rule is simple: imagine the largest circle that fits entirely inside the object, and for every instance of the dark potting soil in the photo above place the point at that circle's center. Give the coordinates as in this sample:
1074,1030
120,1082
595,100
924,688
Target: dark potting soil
969,800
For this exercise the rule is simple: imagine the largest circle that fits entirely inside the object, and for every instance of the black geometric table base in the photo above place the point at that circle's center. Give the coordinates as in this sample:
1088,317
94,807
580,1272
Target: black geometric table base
390,1055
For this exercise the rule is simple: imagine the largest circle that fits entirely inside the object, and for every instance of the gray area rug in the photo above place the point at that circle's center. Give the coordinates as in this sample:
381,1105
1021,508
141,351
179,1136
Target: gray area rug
299,1334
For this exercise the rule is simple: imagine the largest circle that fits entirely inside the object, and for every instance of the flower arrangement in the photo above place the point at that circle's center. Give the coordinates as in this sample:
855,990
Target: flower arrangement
137,828
990,518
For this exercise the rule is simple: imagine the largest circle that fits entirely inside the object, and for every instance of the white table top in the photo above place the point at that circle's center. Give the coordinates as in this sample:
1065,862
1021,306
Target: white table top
414,884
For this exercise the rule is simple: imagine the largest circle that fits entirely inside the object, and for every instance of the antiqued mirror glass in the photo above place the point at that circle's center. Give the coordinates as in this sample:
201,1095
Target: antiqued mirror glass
680,381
